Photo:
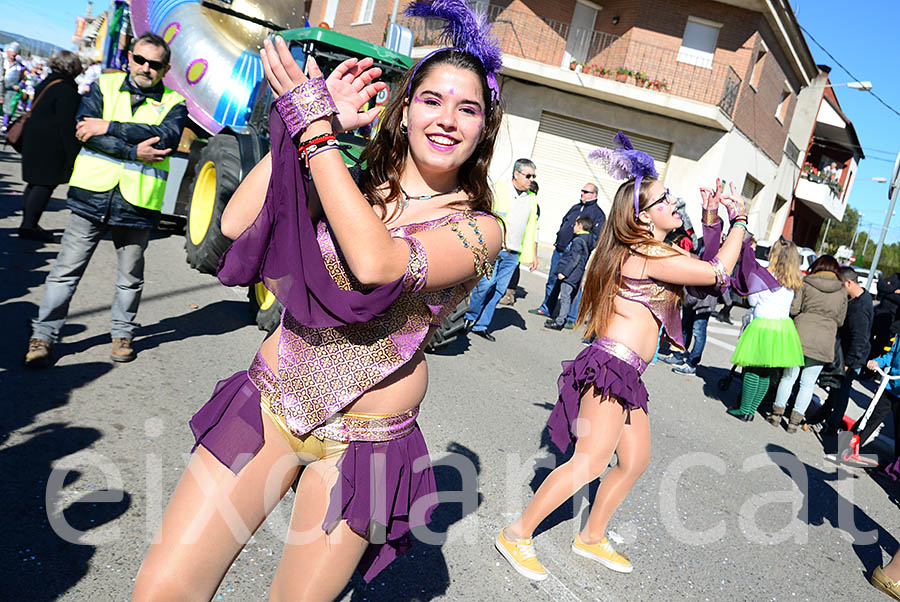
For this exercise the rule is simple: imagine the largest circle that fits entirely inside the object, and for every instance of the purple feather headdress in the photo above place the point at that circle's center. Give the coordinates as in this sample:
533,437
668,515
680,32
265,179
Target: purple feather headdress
624,163
464,30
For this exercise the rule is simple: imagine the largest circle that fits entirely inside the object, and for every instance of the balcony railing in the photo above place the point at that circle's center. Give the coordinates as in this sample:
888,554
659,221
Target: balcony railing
528,36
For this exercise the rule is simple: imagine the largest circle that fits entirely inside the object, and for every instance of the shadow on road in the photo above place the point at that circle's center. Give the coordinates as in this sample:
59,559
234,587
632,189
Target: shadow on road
422,574
822,502
216,318
45,564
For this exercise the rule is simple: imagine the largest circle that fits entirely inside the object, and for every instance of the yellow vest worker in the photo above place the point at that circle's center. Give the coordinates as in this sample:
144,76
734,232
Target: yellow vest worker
140,183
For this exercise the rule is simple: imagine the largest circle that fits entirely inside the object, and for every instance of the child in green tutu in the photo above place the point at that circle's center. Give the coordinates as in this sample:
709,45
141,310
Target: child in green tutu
770,340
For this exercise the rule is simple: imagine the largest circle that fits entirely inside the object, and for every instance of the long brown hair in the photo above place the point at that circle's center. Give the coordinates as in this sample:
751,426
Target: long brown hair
386,154
784,264
622,234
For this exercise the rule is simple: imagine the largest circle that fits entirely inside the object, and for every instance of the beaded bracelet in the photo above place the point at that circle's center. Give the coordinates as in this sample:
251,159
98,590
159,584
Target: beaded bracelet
317,145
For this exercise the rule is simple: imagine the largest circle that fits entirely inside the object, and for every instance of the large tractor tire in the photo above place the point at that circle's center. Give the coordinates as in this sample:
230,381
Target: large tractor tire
216,179
450,329
265,309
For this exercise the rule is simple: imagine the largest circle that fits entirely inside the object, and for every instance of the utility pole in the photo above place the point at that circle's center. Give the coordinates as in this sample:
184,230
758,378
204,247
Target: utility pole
892,194
822,246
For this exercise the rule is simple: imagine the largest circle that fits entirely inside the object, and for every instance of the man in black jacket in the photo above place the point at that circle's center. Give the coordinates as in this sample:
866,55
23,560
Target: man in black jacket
570,270
854,337
586,206
128,124
886,323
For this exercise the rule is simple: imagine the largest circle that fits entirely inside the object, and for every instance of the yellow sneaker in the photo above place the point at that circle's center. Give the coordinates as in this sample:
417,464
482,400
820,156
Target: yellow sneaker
603,553
521,556
886,584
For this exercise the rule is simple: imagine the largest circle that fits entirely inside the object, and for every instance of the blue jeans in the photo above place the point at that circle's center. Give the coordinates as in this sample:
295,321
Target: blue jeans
694,327
488,291
808,376
78,244
553,284
552,280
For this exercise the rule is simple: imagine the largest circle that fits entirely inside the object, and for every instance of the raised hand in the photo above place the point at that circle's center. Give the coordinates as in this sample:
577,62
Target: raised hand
352,85
282,71
736,204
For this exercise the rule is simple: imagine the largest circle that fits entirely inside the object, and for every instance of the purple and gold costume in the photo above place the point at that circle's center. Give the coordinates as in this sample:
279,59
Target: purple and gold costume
338,340
613,368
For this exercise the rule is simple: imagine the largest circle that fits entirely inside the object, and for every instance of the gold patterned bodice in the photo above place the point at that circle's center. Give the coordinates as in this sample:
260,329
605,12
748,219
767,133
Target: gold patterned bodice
322,370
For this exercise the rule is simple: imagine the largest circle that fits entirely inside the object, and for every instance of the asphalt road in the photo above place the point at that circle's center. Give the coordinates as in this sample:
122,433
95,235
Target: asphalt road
726,511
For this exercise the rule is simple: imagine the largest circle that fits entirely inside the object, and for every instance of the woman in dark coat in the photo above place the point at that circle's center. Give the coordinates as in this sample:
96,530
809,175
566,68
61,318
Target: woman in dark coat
49,146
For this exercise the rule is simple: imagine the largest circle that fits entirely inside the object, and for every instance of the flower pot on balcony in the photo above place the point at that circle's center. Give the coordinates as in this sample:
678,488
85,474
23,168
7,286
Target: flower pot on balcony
572,65
622,77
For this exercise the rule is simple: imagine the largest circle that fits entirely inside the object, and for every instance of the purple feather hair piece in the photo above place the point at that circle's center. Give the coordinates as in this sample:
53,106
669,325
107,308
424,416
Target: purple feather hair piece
465,30
625,162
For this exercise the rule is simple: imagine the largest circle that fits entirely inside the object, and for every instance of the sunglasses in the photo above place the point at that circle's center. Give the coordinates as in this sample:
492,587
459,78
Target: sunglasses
583,191
665,198
528,176
155,65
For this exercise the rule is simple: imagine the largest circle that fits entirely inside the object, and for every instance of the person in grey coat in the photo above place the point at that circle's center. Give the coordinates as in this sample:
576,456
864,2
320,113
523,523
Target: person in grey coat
819,310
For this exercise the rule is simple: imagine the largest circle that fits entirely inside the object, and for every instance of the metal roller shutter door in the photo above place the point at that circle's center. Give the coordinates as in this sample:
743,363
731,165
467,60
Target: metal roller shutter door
560,153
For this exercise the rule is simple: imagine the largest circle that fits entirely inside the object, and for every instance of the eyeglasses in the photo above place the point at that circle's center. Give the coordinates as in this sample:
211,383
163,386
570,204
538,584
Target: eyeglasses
528,176
155,65
666,198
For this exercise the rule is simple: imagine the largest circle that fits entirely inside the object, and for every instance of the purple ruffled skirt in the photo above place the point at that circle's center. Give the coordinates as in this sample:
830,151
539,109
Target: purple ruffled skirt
613,369
384,489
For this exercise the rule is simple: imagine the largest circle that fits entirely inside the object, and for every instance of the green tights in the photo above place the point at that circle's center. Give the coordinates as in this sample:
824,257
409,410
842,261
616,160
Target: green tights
755,387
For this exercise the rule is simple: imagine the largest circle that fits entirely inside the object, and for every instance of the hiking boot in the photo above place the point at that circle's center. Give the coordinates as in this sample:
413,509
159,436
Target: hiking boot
508,299
884,583
602,552
521,556
121,350
775,417
38,354
794,422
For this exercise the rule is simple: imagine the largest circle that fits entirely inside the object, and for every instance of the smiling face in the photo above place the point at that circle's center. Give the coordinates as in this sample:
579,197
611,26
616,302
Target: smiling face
445,116
662,210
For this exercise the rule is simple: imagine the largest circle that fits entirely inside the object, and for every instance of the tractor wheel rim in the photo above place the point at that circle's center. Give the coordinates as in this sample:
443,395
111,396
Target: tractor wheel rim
203,201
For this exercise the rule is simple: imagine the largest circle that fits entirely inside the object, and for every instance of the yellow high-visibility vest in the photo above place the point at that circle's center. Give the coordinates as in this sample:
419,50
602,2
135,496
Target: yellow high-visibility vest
142,184
502,200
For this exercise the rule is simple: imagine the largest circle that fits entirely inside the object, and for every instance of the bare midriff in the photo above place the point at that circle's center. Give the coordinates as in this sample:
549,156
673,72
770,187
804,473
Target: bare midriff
401,391
634,326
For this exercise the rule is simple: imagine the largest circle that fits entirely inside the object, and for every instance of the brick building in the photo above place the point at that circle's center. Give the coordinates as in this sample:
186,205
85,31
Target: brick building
709,89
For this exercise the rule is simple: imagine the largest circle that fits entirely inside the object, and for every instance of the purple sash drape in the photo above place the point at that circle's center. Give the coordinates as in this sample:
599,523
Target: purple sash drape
749,277
280,250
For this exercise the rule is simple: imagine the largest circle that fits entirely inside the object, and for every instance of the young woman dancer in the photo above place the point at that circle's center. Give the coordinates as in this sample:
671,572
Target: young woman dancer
631,297
366,273
770,341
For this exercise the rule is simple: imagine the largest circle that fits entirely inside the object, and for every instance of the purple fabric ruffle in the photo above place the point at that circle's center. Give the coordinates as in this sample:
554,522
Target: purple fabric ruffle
748,277
383,489
280,250
609,374
893,469
229,425
383,492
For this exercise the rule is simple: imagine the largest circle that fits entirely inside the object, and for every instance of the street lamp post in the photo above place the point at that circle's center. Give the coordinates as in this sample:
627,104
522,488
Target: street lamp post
856,231
892,194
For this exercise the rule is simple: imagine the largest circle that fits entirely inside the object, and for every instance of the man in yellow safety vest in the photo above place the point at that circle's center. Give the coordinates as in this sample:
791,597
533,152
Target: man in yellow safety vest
516,203
128,124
